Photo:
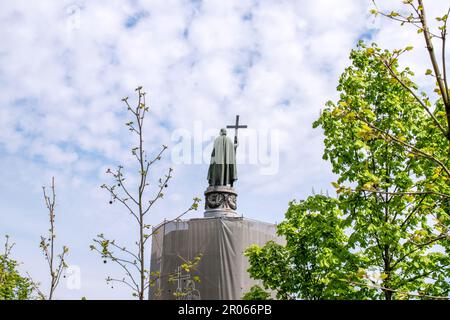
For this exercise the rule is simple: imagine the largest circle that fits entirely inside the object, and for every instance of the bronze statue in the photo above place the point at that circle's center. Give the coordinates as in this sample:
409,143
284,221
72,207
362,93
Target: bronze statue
222,169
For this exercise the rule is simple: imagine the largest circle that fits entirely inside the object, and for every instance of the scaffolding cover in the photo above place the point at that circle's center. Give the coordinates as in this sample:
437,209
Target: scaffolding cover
222,270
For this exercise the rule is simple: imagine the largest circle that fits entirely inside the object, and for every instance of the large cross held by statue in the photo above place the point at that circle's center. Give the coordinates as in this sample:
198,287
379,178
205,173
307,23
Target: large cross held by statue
236,127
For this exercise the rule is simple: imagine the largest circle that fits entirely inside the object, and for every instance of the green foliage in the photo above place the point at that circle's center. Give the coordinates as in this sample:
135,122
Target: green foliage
386,234
271,264
256,293
392,207
13,286
314,259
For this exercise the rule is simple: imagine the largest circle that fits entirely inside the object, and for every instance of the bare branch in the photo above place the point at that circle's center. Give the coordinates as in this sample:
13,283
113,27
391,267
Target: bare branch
35,286
138,281
134,288
444,37
121,183
159,193
431,53
116,197
192,207
8,247
47,244
411,193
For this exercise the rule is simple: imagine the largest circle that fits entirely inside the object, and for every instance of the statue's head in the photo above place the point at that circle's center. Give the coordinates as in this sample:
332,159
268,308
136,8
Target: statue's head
223,132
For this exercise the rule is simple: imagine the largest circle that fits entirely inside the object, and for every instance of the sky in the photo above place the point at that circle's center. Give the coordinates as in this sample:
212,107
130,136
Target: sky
66,65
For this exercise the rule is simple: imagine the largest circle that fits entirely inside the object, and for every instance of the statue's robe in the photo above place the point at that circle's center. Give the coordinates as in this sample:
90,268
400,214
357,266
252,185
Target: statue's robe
222,170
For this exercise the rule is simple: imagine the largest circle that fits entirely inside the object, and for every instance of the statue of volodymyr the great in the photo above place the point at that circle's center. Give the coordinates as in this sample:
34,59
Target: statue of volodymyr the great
222,169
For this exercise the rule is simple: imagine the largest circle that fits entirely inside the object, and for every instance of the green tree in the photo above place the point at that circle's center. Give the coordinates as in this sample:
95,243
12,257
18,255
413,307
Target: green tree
391,211
431,143
13,286
308,266
315,257
256,293
394,210
414,14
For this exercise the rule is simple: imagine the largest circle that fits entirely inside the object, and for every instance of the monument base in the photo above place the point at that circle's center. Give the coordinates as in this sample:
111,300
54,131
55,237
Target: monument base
217,213
220,201
221,273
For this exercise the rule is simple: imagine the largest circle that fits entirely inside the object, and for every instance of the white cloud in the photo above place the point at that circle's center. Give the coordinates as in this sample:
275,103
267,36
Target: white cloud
66,65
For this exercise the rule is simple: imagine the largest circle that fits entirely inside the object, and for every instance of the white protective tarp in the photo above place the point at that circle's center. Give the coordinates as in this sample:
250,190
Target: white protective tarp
222,270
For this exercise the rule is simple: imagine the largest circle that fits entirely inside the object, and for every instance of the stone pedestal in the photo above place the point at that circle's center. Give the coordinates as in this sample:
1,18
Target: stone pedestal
220,201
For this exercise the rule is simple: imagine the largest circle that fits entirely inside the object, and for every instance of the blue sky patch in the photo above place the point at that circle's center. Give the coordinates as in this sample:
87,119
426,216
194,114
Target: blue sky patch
133,20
